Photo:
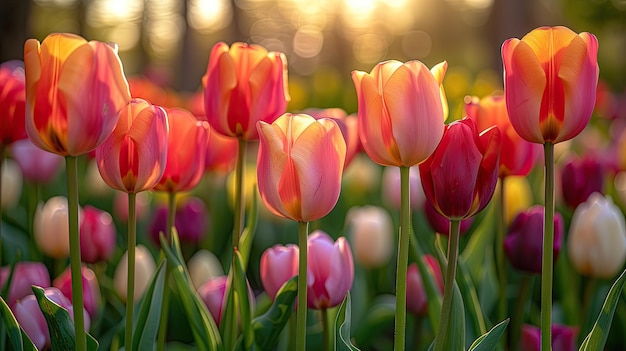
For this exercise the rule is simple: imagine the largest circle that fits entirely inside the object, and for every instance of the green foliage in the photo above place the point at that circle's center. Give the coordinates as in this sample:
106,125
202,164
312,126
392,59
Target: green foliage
489,341
342,327
18,338
146,323
268,326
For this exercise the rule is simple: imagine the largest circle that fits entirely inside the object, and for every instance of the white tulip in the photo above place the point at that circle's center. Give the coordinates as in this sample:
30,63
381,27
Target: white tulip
144,270
11,184
203,266
371,235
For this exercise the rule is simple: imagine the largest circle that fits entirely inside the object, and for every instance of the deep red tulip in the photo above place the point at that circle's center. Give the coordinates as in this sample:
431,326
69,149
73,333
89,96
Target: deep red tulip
440,224
191,221
416,300
581,177
97,235
12,102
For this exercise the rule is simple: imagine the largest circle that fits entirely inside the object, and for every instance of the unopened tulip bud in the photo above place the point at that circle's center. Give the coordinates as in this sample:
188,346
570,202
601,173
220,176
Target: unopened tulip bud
144,270
212,293
25,275
11,178
278,264
518,196
38,165
97,235
416,300
391,187
91,289
563,338
597,237
441,224
581,178
191,221
371,234
203,266
51,228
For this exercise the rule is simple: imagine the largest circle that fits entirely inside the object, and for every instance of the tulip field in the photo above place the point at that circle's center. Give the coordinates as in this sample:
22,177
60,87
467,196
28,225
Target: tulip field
135,218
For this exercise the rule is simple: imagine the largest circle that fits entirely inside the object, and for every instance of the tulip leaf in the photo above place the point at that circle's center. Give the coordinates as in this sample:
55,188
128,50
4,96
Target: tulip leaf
242,298
247,236
268,326
147,318
470,298
432,290
489,341
19,340
60,324
380,314
598,335
201,322
342,327
228,324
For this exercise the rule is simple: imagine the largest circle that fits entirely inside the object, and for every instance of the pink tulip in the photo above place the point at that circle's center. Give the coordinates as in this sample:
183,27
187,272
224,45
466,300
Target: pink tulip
278,264
550,79
12,102
25,275
91,289
416,300
97,235
243,84
212,293
38,166
401,111
191,221
330,270
563,338
391,187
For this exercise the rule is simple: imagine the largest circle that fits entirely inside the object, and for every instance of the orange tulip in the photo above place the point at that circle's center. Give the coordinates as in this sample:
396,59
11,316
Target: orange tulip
12,95
244,84
517,156
299,166
550,79
186,145
349,125
402,109
133,158
74,92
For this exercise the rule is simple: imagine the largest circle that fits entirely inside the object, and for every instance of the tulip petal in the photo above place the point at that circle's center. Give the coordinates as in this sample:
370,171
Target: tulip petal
149,133
488,171
439,71
219,82
271,162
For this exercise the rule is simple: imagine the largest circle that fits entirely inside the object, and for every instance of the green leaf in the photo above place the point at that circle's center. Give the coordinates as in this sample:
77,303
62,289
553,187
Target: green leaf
18,338
201,322
147,319
243,301
380,314
489,341
268,326
228,324
470,298
60,324
342,327
247,236
596,339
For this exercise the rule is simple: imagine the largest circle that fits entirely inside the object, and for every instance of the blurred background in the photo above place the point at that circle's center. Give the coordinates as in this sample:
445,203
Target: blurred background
169,41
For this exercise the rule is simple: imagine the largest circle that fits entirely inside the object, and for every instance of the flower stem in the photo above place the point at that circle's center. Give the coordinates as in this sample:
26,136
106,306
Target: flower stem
325,330
130,287
303,232
501,262
518,317
239,193
446,306
75,262
547,255
403,259
171,216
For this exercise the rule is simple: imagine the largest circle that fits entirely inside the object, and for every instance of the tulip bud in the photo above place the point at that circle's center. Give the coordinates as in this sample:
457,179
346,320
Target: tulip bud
391,187
212,293
203,266
190,221
120,206
25,275
51,228
563,338
91,289
371,234
97,235
12,102
597,237
523,243
518,196
580,178
278,264
330,270
416,300
11,178
441,224
94,182
144,270
38,165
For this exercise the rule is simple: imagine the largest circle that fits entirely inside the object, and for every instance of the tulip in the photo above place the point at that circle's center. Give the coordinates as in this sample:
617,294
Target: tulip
186,145
522,244
31,319
300,164
391,187
278,264
144,270
74,91
37,165
12,105
360,179
517,156
550,79
243,84
349,125
581,178
459,178
133,158
401,111
191,221
97,235
330,270
518,196
94,182
50,228
91,289
597,237
212,293
563,338
11,178
25,275
416,300
371,234
441,224
203,266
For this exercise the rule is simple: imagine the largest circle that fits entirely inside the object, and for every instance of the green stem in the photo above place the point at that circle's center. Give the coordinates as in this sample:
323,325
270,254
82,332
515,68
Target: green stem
518,317
547,262
325,330
403,259
75,262
500,260
239,192
130,287
171,217
446,306
303,232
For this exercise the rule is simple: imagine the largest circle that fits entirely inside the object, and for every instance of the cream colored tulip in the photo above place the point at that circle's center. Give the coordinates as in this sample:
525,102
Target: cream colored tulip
11,184
144,270
597,237
51,228
371,235
203,266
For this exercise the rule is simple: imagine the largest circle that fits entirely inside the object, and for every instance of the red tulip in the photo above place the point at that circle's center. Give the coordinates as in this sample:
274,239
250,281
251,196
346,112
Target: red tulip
517,156
186,147
299,167
563,338
550,79
278,264
12,102
416,300
581,177
91,289
441,224
401,111
243,84
97,235
133,158
459,178
74,92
